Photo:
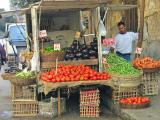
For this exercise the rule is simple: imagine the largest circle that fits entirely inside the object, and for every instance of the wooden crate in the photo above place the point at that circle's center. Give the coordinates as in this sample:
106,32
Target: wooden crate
149,88
125,93
89,97
89,111
25,108
149,76
23,92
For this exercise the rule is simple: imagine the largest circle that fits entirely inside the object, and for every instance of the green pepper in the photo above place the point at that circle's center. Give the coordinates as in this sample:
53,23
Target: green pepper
120,66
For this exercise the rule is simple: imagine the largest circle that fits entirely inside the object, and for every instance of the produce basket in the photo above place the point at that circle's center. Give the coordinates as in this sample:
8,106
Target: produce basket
7,76
19,81
135,106
50,57
126,81
150,70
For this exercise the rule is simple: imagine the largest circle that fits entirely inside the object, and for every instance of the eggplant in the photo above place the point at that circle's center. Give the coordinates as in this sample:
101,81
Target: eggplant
95,44
66,57
75,51
95,40
83,46
85,56
89,47
68,50
75,42
92,43
78,55
73,47
95,48
71,56
92,53
85,51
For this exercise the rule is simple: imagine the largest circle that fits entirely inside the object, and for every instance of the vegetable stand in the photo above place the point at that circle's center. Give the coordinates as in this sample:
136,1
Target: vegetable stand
50,7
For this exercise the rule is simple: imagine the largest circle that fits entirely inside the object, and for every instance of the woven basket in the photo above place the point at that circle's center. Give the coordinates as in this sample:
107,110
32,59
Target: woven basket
135,106
150,70
23,81
7,76
126,81
50,57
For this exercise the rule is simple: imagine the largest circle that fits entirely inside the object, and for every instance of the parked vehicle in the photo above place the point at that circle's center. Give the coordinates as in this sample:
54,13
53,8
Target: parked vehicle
14,41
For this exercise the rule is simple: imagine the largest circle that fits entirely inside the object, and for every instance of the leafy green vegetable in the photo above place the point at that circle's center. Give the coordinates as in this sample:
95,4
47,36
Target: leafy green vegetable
120,66
24,74
50,49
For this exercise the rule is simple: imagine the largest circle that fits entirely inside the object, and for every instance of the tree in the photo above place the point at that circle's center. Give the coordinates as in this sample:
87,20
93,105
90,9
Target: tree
22,3
3,22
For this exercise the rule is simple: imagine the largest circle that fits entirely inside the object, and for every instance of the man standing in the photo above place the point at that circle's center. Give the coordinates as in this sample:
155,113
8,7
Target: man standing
124,41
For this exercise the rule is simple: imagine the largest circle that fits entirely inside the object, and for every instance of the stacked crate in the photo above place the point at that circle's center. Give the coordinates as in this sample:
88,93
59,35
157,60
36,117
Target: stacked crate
24,101
120,93
149,83
89,103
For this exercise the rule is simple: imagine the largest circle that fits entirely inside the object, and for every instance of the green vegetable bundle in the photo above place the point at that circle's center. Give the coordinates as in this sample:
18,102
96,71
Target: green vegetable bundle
50,49
120,66
24,74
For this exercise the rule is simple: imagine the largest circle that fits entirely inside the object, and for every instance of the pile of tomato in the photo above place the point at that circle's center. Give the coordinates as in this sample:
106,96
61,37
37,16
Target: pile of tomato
135,100
73,73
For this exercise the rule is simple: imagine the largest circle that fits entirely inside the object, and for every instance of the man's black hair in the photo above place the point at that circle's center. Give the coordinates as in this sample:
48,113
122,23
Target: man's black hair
121,23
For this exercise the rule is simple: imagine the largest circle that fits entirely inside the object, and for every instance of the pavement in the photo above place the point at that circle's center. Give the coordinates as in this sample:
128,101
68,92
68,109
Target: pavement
151,113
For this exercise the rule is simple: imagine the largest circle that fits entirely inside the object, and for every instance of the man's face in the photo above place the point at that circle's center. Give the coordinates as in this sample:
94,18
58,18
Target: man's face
122,29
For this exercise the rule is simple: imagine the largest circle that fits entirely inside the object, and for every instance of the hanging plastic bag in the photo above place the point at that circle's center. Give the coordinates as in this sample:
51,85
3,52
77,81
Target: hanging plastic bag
102,29
33,61
82,26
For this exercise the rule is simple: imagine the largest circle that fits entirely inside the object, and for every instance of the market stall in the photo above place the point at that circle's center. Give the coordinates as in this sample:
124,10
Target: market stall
64,55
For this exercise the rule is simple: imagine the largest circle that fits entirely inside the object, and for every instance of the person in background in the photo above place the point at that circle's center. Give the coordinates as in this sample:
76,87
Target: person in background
2,55
124,41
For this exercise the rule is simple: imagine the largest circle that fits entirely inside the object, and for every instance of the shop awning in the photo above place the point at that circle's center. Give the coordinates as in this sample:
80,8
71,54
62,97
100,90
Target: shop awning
71,4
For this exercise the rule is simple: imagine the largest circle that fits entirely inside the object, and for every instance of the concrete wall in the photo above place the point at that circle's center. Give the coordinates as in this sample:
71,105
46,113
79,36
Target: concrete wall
151,44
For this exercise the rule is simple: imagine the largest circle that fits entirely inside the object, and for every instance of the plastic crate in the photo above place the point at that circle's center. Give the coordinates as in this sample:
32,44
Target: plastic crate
23,92
89,111
149,88
89,97
125,93
25,108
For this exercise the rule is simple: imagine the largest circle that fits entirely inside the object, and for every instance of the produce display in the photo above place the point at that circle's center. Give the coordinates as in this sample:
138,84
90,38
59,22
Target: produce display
82,51
120,66
73,73
146,62
24,74
135,100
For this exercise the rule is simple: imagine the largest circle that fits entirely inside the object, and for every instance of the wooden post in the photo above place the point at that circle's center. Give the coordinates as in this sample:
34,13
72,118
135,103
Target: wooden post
35,37
27,39
96,20
59,102
141,8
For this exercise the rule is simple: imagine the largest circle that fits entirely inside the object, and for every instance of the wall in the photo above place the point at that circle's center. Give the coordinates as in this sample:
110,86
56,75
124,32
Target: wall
151,41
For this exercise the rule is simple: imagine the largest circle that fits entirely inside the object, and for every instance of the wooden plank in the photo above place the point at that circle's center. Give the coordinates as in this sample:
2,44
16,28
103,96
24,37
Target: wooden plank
75,62
35,37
